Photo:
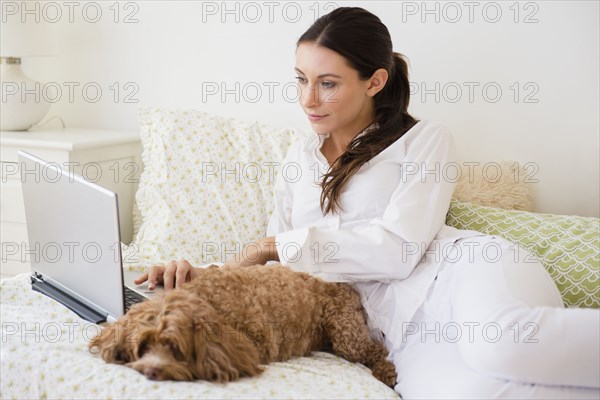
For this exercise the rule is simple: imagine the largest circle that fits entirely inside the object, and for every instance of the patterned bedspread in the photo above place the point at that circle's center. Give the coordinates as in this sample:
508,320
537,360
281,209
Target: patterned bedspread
44,355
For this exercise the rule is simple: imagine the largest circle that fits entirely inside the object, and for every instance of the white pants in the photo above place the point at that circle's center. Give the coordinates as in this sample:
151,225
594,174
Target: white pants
495,327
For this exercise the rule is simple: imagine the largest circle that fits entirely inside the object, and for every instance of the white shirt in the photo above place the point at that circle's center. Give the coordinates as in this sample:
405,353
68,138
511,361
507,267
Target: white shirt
394,209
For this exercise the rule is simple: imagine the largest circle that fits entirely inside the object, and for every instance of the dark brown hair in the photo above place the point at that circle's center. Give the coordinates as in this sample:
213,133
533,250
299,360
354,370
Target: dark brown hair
365,42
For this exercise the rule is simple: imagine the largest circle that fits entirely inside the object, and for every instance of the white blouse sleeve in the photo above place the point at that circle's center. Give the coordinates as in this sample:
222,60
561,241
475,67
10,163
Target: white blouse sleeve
385,248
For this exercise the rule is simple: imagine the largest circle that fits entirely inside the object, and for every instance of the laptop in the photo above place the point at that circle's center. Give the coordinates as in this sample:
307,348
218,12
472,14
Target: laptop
75,242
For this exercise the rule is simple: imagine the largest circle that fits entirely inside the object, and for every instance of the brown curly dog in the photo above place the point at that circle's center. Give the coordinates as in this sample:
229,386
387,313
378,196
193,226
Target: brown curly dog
228,321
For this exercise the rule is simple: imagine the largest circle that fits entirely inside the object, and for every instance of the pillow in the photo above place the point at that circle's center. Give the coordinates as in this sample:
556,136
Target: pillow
206,187
567,246
502,184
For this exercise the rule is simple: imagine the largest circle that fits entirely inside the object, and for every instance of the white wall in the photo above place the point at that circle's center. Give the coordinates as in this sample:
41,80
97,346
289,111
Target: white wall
542,55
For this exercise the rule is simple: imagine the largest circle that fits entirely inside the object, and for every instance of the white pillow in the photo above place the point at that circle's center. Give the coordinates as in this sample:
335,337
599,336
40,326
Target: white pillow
206,188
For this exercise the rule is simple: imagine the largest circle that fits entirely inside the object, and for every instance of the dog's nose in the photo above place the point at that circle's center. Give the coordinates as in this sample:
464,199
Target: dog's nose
152,373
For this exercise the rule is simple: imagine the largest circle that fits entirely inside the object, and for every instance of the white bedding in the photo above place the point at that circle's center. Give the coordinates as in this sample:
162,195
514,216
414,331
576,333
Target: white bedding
44,355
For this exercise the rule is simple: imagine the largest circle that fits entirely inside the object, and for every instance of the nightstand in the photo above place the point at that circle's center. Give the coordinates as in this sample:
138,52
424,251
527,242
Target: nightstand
109,158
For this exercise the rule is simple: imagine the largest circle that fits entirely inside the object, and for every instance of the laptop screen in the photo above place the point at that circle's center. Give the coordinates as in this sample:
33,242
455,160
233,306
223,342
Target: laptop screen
73,232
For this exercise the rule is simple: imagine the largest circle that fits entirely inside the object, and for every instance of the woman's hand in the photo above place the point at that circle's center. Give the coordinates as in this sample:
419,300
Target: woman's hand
176,273
173,275
255,253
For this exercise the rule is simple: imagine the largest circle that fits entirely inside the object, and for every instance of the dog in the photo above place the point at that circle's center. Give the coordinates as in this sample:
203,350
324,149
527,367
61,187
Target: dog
230,321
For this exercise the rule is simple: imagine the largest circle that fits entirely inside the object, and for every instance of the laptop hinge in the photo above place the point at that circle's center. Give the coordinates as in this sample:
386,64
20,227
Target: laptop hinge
39,285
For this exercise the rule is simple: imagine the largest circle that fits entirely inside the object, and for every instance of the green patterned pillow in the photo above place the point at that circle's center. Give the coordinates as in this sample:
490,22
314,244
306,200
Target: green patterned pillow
568,246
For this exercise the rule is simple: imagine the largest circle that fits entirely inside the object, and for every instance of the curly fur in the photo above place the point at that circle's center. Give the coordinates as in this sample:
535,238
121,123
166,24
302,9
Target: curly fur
229,321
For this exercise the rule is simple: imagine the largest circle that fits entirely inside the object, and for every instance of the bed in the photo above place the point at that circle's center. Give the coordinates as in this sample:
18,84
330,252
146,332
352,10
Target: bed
44,345
45,356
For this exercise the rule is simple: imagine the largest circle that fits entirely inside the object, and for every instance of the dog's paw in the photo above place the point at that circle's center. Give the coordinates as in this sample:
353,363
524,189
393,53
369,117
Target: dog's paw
385,371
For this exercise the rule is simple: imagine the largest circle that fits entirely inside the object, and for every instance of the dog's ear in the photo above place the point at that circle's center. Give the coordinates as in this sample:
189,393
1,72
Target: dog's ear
116,344
222,353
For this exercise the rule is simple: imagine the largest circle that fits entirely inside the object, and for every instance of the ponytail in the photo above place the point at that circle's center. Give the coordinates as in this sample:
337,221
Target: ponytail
392,122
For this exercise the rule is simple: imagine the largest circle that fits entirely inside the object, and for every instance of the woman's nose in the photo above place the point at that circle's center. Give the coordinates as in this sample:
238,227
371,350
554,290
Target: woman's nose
309,96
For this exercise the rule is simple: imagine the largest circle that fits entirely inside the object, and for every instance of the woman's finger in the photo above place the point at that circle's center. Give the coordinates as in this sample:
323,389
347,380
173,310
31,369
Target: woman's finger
154,275
141,279
169,275
184,269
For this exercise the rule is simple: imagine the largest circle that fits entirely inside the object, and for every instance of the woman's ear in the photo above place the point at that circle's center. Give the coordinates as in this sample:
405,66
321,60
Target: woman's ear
377,82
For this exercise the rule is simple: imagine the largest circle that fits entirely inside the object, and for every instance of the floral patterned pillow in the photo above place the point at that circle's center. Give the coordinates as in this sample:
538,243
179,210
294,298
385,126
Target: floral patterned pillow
206,188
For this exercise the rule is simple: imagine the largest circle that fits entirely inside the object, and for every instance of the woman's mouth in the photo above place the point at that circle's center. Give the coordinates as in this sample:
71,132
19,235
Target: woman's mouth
316,117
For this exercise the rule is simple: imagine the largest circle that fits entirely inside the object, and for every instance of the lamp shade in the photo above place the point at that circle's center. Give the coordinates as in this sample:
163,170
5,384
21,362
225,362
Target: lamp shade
25,30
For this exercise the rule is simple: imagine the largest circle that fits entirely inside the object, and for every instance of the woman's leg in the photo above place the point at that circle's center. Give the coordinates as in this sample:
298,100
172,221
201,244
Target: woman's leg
434,369
448,357
518,328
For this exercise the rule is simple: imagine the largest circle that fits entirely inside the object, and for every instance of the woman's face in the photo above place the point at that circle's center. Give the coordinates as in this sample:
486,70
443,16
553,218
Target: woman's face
333,96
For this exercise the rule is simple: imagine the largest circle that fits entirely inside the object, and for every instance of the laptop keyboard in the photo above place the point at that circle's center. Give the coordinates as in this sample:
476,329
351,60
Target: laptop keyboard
131,297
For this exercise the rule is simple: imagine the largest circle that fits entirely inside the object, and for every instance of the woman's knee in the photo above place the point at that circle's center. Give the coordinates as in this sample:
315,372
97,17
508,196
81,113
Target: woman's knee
506,273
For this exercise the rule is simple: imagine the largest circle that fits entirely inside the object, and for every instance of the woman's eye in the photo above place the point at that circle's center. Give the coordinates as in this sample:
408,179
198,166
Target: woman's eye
323,84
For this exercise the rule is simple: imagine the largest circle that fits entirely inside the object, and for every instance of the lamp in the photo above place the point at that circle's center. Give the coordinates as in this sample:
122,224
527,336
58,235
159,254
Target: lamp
23,103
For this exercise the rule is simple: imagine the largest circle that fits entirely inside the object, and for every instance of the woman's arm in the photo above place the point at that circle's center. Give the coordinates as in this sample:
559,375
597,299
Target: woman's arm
255,253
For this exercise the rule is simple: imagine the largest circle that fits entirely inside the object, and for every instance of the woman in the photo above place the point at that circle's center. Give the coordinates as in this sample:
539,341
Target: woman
463,314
